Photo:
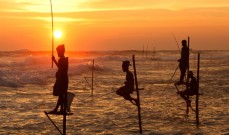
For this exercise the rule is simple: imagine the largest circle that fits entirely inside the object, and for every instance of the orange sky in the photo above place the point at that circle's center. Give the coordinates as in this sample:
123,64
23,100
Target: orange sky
114,25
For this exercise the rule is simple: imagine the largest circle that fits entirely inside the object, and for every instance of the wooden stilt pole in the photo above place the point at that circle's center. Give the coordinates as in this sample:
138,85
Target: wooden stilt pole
187,110
197,96
65,113
138,97
92,78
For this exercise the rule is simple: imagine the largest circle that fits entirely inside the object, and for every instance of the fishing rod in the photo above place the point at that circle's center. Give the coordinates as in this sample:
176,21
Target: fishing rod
176,41
177,66
52,30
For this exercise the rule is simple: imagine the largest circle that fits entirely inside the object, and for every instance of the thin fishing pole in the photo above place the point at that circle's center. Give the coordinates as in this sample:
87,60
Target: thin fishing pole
176,42
52,30
170,80
177,66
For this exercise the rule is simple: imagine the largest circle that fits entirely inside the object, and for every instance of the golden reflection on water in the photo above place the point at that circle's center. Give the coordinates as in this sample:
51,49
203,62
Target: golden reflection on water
22,107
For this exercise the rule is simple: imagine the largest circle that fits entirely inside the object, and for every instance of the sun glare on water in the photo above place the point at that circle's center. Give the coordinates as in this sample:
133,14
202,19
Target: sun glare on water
57,34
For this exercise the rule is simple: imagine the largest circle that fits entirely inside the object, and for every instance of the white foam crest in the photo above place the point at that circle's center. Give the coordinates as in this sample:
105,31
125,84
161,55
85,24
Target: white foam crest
3,63
37,70
8,80
30,61
77,69
112,58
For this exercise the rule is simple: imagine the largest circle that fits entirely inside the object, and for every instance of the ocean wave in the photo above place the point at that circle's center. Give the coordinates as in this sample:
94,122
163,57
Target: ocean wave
112,58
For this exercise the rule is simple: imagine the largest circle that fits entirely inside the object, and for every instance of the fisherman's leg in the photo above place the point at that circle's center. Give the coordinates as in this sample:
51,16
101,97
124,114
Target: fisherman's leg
120,91
182,75
62,103
183,70
132,100
57,106
58,102
180,67
183,95
136,101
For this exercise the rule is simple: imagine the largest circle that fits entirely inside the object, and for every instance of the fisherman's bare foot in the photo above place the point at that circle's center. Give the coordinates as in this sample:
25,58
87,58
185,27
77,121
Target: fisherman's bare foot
53,112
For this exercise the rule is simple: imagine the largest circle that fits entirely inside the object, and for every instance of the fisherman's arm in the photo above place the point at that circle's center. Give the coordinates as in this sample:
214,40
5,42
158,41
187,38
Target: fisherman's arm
54,60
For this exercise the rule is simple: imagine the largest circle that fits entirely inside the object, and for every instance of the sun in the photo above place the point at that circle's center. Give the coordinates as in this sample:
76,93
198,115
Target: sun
57,34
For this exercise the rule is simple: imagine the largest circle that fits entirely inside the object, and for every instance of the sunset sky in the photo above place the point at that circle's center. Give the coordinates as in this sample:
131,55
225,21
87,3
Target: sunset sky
114,24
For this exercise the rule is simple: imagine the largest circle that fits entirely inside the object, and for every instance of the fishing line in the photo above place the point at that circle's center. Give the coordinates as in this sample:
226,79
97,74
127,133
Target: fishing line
170,80
112,92
177,66
98,97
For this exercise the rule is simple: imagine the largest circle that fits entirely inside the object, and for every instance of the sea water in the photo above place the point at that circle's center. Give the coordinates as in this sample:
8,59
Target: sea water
26,82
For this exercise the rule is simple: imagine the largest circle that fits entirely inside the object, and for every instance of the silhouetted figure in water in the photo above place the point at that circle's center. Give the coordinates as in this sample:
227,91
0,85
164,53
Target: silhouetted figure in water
61,85
128,88
183,65
191,88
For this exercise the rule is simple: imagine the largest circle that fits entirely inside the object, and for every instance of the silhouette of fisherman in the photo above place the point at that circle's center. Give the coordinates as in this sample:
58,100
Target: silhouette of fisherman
183,65
191,88
61,85
128,88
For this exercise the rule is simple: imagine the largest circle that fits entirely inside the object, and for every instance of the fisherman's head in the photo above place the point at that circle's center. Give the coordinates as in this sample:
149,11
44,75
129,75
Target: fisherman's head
190,74
60,50
125,65
184,42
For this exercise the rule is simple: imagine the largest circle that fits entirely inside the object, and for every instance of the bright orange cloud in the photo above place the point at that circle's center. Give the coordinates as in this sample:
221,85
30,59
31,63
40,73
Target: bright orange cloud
114,25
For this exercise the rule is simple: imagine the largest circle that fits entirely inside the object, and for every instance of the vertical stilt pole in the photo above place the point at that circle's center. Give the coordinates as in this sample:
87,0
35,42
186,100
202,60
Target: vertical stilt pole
187,110
64,116
197,96
92,78
137,90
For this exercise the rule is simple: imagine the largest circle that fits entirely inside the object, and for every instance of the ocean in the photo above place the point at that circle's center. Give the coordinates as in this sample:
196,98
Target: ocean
27,78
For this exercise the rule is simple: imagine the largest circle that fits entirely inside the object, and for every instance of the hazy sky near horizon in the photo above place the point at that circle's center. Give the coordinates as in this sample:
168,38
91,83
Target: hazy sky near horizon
114,24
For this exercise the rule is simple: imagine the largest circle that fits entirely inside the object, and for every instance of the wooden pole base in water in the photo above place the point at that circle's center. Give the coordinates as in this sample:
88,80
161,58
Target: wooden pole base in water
92,78
197,96
138,97
65,113
187,109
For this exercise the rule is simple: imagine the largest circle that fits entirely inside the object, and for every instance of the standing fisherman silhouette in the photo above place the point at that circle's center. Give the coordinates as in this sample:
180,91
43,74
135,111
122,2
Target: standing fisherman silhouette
128,88
183,61
61,85
191,89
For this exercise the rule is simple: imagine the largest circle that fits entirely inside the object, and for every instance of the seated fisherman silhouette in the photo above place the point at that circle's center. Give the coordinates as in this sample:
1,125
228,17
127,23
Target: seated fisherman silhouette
128,88
183,62
191,88
61,85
